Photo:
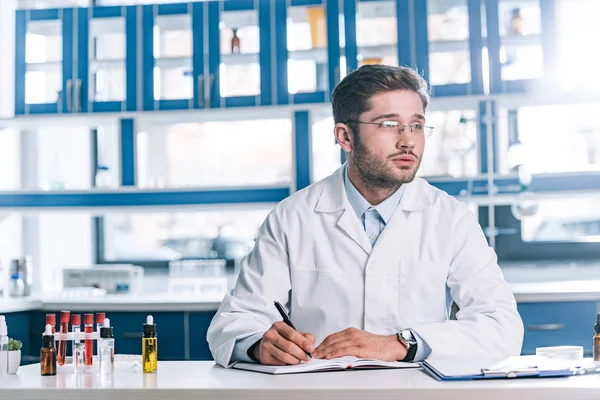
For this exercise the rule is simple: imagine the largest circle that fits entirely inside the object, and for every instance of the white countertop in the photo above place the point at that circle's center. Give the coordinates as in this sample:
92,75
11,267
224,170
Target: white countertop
526,292
204,380
530,292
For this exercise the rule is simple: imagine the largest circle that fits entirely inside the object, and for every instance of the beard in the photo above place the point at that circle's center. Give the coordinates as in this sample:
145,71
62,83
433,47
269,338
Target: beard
376,173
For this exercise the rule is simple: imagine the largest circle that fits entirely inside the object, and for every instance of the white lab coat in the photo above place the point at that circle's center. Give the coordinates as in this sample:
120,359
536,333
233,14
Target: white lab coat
313,255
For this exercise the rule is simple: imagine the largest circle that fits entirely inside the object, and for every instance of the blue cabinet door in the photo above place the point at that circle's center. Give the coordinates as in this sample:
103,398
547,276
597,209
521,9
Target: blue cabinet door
106,60
448,45
308,50
18,328
199,323
240,53
44,61
128,328
376,32
558,324
521,41
173,45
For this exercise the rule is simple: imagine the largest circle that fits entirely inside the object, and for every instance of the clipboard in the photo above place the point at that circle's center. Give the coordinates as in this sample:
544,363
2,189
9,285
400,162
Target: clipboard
510,368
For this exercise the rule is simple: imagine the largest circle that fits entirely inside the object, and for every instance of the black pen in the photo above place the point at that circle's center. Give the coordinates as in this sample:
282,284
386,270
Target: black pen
286,319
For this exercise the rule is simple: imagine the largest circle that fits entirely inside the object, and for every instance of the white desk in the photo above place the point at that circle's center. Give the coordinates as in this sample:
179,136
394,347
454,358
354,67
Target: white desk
205,380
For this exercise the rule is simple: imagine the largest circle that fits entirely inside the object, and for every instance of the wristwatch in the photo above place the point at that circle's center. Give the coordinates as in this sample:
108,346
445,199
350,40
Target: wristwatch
407,339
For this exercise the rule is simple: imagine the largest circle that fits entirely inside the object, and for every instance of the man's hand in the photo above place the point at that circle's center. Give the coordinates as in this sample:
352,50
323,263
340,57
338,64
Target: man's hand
358,343
282,345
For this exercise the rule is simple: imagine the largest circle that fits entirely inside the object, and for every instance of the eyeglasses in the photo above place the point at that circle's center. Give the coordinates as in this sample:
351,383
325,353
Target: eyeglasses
394,127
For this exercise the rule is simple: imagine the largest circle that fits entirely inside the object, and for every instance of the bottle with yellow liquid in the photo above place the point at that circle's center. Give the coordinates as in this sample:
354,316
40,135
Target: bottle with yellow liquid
149,347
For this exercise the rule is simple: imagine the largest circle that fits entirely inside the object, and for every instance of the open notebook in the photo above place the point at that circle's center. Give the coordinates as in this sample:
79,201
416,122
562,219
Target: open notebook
317,365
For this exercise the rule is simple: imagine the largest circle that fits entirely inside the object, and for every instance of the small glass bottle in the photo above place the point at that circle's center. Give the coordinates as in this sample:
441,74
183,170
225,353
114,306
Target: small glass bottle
106,348
149,347
48,353
597,339
235,42
77,344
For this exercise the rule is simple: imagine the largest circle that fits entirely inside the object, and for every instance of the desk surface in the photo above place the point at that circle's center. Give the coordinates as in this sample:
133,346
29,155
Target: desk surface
204,380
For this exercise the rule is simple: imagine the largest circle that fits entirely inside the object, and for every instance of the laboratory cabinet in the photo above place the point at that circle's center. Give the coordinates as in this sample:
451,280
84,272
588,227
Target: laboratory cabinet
76,60
245,53
558,324
182,334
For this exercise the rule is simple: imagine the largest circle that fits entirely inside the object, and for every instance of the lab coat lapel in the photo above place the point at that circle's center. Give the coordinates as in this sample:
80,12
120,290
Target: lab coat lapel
350,224
333,199
396,241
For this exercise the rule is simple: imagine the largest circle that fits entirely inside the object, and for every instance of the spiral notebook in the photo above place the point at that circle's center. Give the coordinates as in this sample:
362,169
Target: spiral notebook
318,365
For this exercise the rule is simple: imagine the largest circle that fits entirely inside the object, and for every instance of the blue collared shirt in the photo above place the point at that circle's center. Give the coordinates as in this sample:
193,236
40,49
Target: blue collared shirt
373,218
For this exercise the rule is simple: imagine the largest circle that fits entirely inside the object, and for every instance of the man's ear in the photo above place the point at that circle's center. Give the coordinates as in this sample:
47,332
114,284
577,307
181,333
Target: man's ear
343,135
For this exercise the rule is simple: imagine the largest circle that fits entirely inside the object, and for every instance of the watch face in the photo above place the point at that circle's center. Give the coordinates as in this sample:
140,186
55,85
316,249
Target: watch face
408,336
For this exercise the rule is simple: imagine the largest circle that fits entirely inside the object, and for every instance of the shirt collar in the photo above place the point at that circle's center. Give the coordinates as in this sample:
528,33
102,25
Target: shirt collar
385,209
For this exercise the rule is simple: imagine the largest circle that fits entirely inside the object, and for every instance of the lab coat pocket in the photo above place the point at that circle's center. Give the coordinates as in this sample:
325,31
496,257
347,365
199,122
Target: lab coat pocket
422,290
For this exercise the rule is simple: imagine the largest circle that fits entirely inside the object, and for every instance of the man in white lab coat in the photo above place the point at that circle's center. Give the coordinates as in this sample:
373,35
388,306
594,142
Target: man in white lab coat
368,260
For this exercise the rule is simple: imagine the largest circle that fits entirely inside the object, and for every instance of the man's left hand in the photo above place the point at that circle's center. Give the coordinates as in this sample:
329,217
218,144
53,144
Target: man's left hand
358,343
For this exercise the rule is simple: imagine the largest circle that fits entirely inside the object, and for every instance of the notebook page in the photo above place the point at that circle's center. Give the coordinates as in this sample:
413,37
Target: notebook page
310,366
368,362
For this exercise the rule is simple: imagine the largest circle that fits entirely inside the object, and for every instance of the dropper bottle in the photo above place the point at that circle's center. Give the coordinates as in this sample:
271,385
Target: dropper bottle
48,353
597,339
149,346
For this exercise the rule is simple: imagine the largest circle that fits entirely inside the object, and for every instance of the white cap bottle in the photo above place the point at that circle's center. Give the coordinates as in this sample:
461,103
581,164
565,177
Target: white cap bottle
3,346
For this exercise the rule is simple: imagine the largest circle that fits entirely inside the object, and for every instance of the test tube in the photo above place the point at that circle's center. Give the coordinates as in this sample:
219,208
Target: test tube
88,321
100,316
76,326
62,343
51,320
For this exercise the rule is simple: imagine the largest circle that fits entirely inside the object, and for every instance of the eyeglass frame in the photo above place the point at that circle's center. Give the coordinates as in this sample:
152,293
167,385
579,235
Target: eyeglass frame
396,124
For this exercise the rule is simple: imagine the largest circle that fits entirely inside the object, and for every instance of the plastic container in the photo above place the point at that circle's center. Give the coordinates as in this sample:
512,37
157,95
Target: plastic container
561,352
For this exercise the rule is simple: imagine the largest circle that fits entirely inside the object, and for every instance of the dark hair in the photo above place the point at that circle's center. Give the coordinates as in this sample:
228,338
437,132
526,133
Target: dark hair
352,96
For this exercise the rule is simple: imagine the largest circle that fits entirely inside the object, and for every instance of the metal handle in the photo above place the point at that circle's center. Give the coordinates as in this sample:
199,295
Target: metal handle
77,95
200,89
132,335
211,79
69,94
546,327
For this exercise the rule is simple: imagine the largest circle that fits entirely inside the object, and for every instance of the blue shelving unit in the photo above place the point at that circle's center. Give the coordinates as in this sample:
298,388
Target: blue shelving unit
72,29
140,198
